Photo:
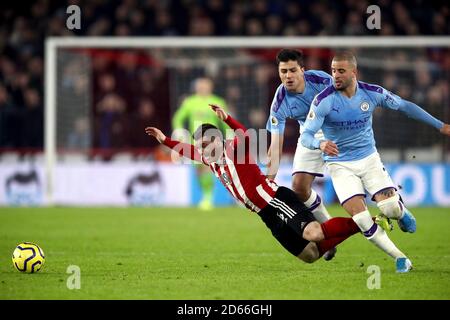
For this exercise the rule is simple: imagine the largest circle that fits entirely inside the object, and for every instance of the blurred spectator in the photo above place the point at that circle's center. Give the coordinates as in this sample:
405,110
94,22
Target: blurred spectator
127,76
5,116
164,24
217,11
354,24
111,123
32,120
202,26
274,25
235,24
79,138
145,116
106,83
35,68
254,27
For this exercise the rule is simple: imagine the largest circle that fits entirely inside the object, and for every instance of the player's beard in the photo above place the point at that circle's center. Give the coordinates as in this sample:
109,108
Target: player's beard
344,85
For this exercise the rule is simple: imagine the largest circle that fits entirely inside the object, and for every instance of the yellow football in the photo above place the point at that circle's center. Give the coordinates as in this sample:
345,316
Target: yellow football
28,257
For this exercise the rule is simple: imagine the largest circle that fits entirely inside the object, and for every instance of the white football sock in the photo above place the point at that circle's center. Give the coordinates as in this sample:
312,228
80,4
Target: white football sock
314,203
391,207
376,234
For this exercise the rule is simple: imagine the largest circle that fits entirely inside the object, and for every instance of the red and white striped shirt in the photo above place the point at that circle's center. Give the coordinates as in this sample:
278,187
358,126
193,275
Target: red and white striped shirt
243,179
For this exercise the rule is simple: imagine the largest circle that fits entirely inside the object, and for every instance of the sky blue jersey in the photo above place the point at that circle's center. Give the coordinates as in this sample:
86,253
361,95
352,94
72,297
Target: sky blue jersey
348,121
296,105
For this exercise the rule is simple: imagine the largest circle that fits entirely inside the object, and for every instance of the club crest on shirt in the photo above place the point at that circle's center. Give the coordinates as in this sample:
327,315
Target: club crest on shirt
311,115
365,106
274,121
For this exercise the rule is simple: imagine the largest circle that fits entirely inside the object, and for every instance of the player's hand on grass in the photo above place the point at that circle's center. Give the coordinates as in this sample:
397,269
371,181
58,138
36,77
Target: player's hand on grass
445,129
329,147
219,112
155,132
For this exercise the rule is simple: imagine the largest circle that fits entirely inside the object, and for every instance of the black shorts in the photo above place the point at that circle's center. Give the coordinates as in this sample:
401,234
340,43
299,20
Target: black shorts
286,216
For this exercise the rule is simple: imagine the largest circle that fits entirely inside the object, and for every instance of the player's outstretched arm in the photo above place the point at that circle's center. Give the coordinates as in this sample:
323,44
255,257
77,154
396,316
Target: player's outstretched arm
155,132
220,113
240,130
391,101
413,111
185,149
229,120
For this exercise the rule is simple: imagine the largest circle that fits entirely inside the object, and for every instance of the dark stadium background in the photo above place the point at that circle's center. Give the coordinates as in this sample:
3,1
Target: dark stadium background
23,30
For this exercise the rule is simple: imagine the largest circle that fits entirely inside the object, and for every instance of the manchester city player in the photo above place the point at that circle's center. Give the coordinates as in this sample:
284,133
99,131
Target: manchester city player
344,113
292,100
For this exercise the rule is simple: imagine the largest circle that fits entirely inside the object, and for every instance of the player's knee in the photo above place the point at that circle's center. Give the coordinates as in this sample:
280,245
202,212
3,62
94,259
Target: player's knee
390,207
355,205
313,232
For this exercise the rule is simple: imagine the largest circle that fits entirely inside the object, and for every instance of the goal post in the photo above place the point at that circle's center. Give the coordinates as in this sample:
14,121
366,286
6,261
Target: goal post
54,46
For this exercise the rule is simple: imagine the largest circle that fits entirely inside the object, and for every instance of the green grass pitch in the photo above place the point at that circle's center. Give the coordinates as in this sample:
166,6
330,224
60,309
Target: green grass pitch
174,253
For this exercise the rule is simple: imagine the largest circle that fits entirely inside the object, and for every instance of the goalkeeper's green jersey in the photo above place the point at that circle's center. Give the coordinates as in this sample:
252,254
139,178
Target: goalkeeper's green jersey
195,110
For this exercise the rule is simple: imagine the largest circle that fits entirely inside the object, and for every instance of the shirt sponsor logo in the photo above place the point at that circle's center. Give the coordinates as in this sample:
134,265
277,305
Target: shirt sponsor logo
351,124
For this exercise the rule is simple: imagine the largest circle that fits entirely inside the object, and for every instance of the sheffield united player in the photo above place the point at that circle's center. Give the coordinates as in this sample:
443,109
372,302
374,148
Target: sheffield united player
290,221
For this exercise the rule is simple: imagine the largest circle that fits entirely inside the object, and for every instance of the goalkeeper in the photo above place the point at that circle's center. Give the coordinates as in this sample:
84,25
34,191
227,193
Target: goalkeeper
193,113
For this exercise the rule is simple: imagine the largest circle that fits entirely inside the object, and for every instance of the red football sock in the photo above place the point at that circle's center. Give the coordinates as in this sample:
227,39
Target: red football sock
339,227
328,244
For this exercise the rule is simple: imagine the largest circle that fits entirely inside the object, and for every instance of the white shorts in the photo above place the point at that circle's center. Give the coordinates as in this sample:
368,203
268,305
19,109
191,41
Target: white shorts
307,160
351,178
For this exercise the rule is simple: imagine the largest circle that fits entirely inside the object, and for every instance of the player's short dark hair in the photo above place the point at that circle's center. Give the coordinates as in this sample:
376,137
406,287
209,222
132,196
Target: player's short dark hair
345,55
286,55
206,129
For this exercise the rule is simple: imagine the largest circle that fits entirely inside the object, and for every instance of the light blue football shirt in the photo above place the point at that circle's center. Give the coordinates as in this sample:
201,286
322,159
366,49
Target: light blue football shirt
348,121
287,105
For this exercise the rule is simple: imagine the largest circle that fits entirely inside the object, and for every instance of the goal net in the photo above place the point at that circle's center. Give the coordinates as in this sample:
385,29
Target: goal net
101,92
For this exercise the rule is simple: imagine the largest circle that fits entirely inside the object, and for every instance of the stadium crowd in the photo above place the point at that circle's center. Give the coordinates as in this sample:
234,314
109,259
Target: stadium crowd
130,91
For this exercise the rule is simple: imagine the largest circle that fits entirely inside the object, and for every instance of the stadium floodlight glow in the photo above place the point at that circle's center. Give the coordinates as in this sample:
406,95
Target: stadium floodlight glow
53,44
